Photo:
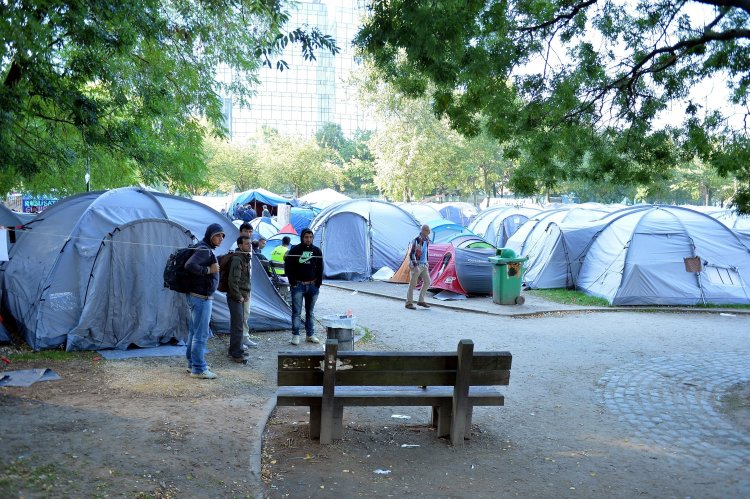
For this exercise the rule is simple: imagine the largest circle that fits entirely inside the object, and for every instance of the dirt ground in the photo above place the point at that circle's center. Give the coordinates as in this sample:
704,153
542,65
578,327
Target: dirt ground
144,428
135,428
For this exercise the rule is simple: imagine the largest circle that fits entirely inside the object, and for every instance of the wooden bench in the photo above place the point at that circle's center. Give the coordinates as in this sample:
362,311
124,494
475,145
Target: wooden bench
451,383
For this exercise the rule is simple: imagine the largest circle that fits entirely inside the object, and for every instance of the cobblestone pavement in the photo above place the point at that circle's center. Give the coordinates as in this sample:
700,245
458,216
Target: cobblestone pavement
674,402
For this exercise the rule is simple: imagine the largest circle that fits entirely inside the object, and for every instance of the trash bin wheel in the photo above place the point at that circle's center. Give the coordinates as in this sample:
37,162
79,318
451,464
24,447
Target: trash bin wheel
520,300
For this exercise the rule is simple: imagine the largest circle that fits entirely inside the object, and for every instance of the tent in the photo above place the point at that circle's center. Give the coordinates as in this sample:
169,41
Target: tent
302,216
442,230
360,236
257,198
268,310
421,211
555,243
264,227
323,198
88,271
12,220
275,241
457,212
497,224
463,270
666,255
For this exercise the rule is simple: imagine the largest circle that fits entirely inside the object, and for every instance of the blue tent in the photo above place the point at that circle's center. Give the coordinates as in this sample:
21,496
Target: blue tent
301,217
361,236
257,198
443,230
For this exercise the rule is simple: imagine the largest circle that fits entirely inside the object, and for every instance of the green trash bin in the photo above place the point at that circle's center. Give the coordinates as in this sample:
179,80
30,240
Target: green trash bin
507,277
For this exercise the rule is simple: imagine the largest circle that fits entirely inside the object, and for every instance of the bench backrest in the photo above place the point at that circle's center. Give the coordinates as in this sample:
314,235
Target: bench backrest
394,368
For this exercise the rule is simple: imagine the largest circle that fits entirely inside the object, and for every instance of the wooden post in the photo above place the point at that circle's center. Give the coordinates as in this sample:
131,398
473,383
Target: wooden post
329,386
461,391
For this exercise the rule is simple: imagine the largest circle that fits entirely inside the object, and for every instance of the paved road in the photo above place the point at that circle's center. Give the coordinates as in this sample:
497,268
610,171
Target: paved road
619,402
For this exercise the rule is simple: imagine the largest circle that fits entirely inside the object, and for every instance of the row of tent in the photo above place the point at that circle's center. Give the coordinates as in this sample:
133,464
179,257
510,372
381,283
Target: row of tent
86,273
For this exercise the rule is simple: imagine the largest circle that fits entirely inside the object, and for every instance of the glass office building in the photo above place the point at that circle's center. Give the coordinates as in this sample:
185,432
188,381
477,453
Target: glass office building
302,98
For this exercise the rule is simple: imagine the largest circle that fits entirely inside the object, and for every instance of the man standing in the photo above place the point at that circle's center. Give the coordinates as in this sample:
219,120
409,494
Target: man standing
278,254
204,265
418,267
265,212
304,270
238,292
247,230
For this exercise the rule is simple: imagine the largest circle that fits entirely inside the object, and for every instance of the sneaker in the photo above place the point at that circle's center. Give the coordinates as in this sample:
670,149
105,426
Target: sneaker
248,343
295,339
239,360
411,306
204,375
313,339
423,304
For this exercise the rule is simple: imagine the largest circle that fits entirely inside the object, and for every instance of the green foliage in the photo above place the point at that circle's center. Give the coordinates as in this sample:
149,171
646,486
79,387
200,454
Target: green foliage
566,82
124,86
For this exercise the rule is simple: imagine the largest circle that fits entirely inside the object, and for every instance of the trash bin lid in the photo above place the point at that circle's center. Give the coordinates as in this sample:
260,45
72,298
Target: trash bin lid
506,253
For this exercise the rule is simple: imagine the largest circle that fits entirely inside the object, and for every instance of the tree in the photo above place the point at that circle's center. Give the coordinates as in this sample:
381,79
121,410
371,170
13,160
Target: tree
567,79
232,166
295,165
129,82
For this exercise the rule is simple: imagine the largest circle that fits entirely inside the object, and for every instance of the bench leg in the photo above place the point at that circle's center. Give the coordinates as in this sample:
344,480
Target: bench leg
467,430
443,422
315,421
337,432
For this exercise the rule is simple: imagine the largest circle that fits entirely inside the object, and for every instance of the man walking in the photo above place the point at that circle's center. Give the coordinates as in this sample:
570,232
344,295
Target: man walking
204,265
278,254
304,270
418,266
238,293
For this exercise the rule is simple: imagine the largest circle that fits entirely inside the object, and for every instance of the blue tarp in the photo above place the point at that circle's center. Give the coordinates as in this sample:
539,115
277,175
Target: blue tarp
259,197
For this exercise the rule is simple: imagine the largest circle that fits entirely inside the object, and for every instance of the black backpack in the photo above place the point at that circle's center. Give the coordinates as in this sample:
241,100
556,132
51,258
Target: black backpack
176,277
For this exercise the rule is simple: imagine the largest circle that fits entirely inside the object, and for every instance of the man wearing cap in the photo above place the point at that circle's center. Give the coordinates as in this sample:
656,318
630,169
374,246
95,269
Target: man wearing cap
303,267
205,266
420,246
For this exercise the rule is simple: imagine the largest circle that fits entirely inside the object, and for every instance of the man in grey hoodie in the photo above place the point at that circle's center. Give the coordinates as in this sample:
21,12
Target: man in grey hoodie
205,266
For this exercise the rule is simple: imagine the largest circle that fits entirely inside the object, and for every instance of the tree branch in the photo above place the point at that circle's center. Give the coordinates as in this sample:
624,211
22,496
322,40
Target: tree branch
740,4
575,9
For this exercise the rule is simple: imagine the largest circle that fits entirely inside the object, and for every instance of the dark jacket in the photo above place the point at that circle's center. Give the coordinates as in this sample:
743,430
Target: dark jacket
205,284
304,263
238,281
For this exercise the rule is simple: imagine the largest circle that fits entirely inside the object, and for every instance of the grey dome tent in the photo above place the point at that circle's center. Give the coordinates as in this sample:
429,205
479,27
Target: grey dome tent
88,271
666,255
555,244
361,236
497,224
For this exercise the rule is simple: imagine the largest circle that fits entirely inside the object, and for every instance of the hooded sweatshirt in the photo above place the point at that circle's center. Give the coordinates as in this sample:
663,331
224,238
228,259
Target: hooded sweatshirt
203,257
304,263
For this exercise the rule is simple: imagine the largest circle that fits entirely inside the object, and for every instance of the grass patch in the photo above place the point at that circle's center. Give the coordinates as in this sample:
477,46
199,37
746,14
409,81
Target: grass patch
714,305
53,355
21,475
568,297
367,337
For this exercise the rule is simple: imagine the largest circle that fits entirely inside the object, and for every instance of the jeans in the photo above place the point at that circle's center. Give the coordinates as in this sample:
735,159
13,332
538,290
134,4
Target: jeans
200,315
235,328
310,293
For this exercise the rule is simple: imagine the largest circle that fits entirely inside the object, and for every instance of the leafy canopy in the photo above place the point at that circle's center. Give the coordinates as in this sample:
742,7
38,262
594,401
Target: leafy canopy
128,83
577,81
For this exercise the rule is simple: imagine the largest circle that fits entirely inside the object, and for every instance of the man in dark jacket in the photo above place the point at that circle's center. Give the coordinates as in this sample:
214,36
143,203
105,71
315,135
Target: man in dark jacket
303,267
205,266
238,293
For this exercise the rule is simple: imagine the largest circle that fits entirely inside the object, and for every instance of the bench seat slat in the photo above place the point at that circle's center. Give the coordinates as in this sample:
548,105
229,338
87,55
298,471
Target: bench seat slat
386,396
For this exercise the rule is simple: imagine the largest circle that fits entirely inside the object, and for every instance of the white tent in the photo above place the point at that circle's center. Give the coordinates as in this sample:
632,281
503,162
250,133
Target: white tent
666,255
323,198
